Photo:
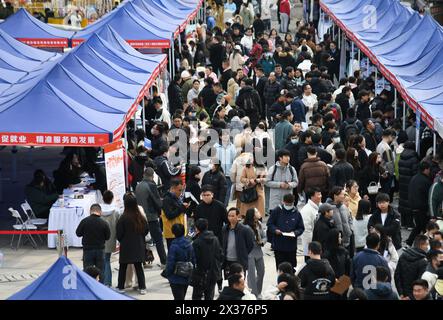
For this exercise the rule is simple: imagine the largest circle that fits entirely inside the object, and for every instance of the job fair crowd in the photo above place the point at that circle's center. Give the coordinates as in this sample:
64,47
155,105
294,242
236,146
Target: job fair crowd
345,180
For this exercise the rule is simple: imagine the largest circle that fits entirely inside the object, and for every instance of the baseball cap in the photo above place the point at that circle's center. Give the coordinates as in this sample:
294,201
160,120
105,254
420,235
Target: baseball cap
325,207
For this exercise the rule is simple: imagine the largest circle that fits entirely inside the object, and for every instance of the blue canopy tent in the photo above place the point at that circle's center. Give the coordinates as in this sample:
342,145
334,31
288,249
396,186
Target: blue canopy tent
177,11
18,60
65,281
405,47
25,28
84,99
137,32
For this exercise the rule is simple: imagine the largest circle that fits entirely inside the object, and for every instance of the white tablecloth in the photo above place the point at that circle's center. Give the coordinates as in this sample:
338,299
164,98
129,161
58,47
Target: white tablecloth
68,217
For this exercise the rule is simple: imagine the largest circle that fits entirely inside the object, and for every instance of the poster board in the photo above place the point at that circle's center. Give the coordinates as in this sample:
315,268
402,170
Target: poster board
115,171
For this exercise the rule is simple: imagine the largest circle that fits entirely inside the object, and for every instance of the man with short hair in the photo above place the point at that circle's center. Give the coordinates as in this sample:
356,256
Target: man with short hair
313,173
285,225
309,215
369,134
420,290
360,273
383,289
418,195
283,130
317,277
435,258
95,232
281,179
209,258
411,266
324,224
362,106
235,289
342,171
148,197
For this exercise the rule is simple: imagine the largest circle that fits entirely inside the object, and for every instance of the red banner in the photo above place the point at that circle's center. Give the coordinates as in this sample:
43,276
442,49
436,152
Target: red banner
45,43
53,139
137,44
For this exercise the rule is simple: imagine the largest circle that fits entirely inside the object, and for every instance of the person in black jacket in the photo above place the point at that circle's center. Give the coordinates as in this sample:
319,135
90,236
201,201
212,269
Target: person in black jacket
68,172
95,232
209,258
411,266
213,210
418,198
386,215
259,83
165,170
175,97
132,229
270,94
41,194
324,224
159,140
317,276
216,54
216,178
407,168
342,171
193,187
235,290
369,134
362,106
238,241
207,96
249,101
336,254
226,74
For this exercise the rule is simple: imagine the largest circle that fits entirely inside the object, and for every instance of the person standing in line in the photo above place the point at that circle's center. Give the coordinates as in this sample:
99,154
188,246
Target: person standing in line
256,263
180,251
95,232
149,199
360,224
285,225
309,214
132,229
324,224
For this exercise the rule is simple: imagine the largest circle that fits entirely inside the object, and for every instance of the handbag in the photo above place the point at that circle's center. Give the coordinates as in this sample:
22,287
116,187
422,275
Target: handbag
373,187
183,269
249,195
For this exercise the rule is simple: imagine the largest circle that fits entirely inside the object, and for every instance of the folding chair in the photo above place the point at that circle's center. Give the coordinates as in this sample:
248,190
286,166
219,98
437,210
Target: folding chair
22,226
32,219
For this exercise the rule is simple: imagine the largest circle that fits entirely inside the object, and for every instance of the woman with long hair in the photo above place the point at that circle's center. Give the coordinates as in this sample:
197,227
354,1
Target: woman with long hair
387,248
359,143
352,158
360,223
373,174
289,289
132,228
354,196
256,263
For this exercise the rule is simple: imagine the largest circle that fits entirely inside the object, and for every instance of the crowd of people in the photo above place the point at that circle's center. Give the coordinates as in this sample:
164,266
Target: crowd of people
342,163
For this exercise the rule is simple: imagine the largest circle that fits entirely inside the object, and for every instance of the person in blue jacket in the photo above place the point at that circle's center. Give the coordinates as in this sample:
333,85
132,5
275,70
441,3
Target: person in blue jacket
180,250
298,108
285,219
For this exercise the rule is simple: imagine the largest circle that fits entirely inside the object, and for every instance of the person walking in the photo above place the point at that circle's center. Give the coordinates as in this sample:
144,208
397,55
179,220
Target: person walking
256,262
149,199
208,262
180,252
313,173
309,215
132,229
253,176
285,225
95,232
216,178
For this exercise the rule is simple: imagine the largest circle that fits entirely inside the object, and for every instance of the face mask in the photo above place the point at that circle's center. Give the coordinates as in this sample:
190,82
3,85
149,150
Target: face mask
294,141
336,139
289,208
193,114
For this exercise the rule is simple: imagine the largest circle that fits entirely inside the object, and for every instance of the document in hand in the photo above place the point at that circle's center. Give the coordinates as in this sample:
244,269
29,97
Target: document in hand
288,234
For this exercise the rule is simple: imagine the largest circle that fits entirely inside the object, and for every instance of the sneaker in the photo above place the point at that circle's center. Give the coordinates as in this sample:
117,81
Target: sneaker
120,290
142,292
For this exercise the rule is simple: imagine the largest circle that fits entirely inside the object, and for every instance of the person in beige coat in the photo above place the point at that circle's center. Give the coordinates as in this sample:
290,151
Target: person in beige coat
254,176
236,60
236,173
233,88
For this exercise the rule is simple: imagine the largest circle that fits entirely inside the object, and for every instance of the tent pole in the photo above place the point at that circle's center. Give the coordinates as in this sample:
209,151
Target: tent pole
358,57
14,164
173,59
404,115
434,149
144,113
395,103
127,157
170,63
180,42
339,38
417,133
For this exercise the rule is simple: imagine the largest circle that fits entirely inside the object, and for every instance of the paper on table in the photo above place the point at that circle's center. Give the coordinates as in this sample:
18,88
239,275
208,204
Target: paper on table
288,234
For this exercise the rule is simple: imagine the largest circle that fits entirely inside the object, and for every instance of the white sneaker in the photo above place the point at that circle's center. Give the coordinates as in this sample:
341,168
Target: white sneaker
120,290
142,292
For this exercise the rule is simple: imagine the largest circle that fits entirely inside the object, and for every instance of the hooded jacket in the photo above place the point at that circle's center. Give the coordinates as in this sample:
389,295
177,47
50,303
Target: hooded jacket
249,100
110,215
383,291
208,255
411,266
317,278
166,171
322,228
180,250
149,198
341,172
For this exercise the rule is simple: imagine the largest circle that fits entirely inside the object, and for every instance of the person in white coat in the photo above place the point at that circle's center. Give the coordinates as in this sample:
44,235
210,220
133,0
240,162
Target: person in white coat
309,214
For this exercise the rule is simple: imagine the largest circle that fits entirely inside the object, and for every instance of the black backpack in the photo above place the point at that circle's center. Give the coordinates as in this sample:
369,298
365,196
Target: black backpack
350,130
291,168
248,104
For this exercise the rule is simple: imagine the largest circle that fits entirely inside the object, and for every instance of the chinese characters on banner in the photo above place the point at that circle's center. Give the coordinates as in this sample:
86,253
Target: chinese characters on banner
115,171
50,139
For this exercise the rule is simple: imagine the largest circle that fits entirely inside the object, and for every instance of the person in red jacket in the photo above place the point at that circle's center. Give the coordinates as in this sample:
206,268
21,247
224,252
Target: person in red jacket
285,13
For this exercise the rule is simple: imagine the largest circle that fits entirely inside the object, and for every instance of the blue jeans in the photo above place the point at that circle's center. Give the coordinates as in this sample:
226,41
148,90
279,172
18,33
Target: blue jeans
228,193
94,257
107,276
156,235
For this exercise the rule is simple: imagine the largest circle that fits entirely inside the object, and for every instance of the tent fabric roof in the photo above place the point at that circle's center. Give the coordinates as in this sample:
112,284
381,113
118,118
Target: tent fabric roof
24,27
133,25
406,48
65,281
17,60
92,90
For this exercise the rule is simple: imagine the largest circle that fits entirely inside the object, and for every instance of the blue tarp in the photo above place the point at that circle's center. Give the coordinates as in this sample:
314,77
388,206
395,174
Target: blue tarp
157,16
91,90
34,32
406,47
65,281
18,60
131,26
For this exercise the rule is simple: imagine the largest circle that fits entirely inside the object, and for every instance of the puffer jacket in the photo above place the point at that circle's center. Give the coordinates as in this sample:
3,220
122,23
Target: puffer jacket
342,219
411,266
407,168
271,93
313,173
232,91
341,172
383,291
